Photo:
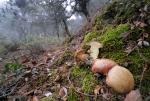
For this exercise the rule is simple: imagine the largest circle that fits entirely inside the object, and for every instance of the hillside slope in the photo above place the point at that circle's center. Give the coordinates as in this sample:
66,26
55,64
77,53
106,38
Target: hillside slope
123,27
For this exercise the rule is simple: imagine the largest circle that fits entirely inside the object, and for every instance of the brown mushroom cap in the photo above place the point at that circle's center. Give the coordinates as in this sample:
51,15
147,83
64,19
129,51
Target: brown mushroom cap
120,79
95,44
102,66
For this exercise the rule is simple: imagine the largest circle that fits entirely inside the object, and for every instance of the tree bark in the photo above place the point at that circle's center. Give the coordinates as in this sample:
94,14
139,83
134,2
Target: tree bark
66,28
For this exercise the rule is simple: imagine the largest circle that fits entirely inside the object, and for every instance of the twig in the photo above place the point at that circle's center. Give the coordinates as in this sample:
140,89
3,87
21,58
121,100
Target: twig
142,76
85,94
12,90
10,87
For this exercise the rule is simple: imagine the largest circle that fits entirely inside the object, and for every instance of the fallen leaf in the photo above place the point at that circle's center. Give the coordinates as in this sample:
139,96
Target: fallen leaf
25,59
134,95
140,24
142,15
47,94
146,43
64,98
26,79
1,59
34,98
63,92
57,78
145,35
69,64
146,8
130,47
62,69
81,56
142,43
107,96
97,90
136,23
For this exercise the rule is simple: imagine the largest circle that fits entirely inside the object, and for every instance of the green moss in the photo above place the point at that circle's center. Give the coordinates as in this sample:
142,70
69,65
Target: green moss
119,13
83,78
137,64
122,10
12,67
88,83
90,36
78,72
73,96
98,24
112,34
68,55
110,38
118,56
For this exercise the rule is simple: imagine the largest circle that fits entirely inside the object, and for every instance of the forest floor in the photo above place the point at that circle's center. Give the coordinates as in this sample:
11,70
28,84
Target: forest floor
54,74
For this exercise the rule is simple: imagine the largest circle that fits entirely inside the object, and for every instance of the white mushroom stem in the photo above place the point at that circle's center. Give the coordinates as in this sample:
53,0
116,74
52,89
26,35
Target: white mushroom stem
94,50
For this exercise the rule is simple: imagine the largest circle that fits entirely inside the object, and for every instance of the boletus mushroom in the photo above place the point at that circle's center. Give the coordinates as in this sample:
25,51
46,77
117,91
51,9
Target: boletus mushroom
94,50
102,66
120,79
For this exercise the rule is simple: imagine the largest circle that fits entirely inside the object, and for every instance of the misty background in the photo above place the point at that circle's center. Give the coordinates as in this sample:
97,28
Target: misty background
43,21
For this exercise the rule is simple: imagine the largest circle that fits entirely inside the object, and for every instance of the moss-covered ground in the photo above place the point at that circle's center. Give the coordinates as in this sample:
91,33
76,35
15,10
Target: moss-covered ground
110,29
114,28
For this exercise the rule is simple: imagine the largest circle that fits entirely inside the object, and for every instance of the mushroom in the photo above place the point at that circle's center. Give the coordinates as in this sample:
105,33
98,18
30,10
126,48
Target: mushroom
94,50
102,66
120,79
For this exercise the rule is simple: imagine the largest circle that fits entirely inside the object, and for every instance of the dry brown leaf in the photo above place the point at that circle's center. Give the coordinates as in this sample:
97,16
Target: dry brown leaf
47,94
107,96
25,60
142,43
146,8
63,92
35,98
134,95
130,47
58,78
97,90
63,69
140,24
145,35
136,23
81,56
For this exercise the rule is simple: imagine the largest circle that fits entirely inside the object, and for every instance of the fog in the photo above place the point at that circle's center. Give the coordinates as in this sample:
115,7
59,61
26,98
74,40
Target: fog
11,28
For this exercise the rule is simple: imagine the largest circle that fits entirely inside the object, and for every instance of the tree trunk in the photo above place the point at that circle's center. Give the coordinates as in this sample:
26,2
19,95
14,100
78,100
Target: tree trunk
66,28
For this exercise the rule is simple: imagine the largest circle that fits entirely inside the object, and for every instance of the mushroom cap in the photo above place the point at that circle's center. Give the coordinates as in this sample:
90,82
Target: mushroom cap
102,66
120,79
94,50
95,44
